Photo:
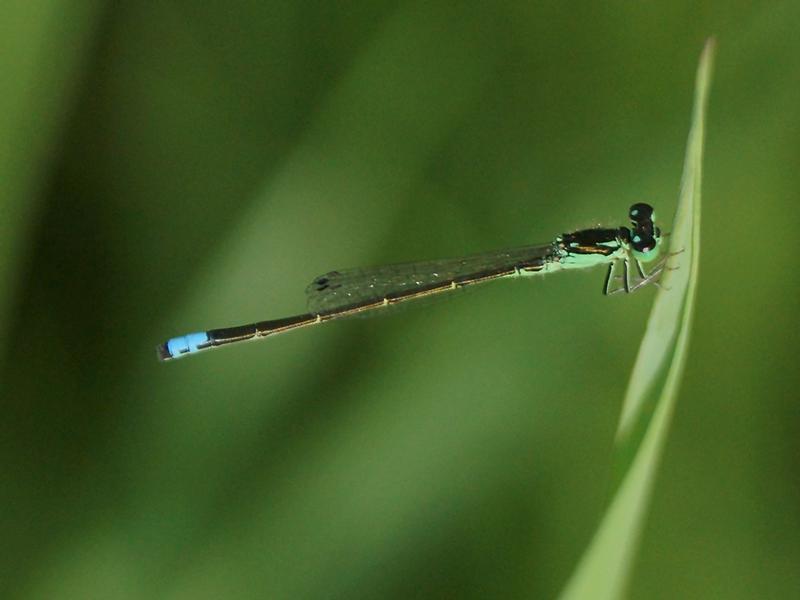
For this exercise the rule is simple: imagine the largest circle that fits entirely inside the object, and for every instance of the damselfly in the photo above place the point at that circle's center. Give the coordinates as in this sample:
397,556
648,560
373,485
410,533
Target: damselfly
351,292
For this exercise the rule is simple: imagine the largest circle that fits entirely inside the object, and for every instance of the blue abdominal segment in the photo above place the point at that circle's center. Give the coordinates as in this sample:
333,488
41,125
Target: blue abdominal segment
185,344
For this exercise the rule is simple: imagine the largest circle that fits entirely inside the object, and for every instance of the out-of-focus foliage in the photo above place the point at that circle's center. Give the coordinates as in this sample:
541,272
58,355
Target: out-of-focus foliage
169,167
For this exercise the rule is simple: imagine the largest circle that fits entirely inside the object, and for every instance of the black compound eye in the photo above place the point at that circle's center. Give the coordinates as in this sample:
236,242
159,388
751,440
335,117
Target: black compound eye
643,243
641,213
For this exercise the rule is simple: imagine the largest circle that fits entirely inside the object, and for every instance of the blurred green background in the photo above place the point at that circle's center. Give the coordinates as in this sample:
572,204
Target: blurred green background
169,167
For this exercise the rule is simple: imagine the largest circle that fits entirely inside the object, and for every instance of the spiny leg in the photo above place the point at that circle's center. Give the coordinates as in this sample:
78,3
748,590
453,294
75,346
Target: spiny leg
661,266
607,283
639,269
613,279
649,277
625,277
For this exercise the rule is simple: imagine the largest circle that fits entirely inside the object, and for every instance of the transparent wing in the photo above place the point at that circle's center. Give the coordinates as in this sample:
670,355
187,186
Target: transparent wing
337,289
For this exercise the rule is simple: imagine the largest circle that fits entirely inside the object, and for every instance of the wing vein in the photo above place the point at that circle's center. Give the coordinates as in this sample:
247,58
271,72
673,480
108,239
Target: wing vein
338,289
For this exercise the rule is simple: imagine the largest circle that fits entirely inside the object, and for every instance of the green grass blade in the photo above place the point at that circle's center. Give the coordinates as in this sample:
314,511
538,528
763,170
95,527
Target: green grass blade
605,568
